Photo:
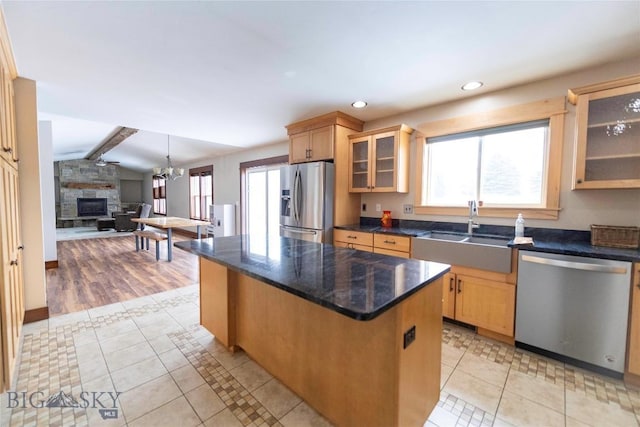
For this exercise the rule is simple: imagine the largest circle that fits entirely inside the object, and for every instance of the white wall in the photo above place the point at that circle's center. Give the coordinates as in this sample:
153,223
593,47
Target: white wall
47,185
226,178
580,208
31,216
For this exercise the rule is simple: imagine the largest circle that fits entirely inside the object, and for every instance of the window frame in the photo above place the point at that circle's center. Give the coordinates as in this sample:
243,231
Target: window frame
200,172
551,109
161,194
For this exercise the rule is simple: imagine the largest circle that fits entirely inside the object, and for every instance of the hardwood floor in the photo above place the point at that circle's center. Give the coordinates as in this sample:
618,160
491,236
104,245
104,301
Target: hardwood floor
95,272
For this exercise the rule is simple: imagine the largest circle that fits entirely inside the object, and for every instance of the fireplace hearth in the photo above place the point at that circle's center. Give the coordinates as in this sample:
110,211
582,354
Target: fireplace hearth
92,206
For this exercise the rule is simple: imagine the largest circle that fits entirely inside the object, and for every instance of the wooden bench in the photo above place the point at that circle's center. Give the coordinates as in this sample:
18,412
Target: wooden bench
144,235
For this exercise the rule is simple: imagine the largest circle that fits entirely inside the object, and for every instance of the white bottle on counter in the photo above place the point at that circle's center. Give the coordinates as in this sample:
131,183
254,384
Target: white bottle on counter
520,226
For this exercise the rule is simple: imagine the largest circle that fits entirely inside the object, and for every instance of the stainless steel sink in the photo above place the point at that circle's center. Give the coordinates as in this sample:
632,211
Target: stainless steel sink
483,252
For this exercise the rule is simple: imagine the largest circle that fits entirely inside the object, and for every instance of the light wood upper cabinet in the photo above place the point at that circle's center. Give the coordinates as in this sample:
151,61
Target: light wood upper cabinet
326,138
607,145
634,324
379,160
312,145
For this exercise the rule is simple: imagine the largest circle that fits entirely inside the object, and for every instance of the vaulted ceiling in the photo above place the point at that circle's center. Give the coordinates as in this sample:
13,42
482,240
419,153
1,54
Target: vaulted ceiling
221,76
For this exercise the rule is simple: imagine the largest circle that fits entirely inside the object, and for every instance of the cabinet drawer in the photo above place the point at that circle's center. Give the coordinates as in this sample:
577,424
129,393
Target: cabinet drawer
356,237
400,254
395,243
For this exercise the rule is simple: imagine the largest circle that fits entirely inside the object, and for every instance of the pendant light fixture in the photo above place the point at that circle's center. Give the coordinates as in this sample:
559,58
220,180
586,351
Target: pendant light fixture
168,172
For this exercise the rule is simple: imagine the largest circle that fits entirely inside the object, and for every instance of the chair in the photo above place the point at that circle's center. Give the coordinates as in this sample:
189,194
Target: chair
123,220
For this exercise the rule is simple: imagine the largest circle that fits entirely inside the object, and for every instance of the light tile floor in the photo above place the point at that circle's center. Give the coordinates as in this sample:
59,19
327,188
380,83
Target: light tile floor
169,371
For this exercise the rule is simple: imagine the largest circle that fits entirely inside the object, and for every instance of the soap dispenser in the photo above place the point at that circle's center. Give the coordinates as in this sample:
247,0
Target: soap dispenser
520,226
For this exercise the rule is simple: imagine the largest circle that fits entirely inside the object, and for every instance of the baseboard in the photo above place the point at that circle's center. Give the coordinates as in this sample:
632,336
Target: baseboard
50,264
36,314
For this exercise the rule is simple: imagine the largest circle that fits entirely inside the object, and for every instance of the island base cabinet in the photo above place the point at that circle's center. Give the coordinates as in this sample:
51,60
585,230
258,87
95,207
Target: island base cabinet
353,372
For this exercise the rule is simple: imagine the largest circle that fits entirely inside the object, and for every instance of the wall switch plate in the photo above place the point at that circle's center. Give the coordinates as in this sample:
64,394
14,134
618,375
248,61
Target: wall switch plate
408,209
409,336
378,207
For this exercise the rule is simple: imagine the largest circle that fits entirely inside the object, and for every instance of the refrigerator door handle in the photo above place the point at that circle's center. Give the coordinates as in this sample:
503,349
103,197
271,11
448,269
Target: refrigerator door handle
298,194
294,195
299,231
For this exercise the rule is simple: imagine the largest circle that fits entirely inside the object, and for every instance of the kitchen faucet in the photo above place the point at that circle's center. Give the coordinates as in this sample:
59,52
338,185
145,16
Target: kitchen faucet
473,211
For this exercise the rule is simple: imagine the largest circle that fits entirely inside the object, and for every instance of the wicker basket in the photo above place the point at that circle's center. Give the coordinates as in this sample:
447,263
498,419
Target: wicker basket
615,236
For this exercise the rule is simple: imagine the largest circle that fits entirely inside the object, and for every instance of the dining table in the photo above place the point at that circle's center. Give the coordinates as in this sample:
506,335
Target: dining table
170,222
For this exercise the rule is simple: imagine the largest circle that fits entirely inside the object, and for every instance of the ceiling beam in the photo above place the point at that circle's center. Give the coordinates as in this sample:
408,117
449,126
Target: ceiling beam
110,142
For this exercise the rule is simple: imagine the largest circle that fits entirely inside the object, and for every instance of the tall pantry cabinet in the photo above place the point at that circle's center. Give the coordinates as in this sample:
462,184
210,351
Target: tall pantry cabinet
12,290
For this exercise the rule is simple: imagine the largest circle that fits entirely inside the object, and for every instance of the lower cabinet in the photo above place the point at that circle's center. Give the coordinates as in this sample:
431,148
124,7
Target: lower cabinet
380,243
353,239
472,297
634,324
387,244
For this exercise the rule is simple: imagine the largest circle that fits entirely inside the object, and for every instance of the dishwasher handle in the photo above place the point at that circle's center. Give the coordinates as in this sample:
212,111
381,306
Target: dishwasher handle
574,265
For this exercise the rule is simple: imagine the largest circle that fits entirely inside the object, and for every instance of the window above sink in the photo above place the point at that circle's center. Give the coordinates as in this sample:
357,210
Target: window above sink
510,159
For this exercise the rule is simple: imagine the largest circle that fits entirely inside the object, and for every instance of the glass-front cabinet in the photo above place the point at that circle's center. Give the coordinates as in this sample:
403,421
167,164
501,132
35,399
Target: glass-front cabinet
379,160
607,146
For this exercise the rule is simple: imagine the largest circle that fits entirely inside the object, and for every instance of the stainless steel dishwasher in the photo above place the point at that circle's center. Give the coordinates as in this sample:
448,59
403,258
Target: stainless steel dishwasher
574,309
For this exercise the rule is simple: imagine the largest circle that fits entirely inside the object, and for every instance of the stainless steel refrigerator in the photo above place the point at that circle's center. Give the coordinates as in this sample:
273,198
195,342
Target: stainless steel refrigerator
306,201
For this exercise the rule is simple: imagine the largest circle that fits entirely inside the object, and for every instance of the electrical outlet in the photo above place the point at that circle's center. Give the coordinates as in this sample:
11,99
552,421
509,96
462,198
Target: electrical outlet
364,207
378,207
408,209
409,336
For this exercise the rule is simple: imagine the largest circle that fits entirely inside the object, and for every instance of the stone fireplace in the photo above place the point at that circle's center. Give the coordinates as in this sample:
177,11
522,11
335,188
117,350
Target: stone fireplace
82,179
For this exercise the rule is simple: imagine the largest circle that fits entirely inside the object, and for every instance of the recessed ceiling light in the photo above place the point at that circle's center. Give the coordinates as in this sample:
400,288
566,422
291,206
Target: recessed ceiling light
359,104
472,85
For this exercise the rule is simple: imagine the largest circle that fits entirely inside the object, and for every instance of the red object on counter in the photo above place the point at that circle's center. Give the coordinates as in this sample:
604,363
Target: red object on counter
386,219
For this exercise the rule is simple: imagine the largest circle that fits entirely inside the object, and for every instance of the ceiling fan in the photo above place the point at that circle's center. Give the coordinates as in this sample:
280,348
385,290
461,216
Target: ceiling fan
102,162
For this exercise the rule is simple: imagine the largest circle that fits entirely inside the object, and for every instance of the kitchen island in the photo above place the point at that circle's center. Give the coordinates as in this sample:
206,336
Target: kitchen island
355,334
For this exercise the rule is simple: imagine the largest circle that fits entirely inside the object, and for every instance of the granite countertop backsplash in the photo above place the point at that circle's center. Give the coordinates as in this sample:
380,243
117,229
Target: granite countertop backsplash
551,240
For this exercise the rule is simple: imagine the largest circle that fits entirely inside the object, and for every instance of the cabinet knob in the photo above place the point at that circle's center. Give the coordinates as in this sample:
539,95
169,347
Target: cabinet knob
351,237
13,262
21,247
579,181
451,284
7,150
459,285
390,242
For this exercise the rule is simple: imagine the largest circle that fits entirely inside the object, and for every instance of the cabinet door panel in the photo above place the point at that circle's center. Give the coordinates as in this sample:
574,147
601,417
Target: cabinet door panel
384,149
321,144
359,157
298,147
607,149
484,303
449,296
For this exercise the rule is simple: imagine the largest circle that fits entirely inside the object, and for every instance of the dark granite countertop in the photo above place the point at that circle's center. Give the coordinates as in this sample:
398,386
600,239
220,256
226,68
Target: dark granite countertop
558,241
357,284
396,229
580,248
